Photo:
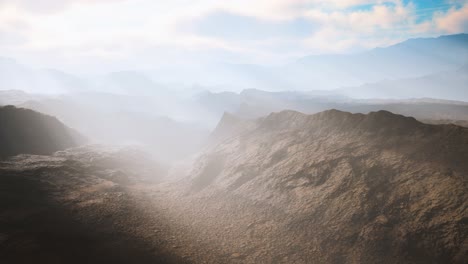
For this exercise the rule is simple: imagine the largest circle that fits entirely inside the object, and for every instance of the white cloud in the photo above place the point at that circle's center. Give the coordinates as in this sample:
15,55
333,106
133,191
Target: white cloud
95,30
47,6
453,21
343,30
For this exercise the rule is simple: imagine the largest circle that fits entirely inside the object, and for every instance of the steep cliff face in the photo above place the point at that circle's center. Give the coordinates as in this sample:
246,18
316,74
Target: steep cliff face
23,131
345,188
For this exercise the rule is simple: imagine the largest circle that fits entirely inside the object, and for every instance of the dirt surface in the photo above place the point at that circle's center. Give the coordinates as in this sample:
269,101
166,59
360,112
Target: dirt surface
59,210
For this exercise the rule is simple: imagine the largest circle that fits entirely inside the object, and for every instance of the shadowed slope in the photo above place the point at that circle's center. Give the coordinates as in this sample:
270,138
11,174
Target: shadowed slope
75,207
24,131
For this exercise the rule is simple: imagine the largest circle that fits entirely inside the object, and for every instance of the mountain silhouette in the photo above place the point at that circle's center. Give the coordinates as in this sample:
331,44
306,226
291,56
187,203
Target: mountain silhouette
450,85
23,131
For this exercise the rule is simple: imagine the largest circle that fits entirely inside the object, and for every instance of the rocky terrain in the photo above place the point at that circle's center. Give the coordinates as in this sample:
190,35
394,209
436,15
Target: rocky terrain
332,187
95,204
336,187
25,131
463,123
72,207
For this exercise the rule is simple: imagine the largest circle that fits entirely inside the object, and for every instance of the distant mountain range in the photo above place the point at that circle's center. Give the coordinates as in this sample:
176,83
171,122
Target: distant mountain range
256,103
410,59
451,85
15,76
90,112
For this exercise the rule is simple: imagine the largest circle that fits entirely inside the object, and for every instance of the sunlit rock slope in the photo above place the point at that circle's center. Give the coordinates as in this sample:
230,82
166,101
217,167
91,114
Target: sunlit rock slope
336,187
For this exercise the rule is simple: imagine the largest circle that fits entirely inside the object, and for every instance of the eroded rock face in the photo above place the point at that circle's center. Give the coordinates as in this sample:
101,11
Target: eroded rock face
23,131
346,188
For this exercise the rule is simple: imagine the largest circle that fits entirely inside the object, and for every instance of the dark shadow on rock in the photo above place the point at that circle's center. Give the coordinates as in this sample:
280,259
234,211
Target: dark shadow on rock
23,131
34,228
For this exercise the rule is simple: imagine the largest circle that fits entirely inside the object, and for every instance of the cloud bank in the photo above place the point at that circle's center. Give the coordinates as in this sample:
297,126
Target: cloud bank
124,33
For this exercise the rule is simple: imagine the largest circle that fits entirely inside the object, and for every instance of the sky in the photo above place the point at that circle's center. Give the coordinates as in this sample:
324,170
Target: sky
101,35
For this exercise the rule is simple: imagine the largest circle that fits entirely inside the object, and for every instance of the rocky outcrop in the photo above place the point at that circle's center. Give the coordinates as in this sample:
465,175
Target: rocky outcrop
23,131
337,187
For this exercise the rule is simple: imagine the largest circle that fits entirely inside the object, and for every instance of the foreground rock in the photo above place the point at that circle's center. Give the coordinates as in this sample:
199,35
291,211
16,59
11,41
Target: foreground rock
336,187
75,207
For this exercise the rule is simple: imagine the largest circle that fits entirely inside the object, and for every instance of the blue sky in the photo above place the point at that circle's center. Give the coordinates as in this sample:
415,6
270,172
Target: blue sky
426,8
122,34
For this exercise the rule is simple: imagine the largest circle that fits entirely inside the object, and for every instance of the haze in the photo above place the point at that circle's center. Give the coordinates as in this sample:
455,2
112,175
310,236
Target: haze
260,131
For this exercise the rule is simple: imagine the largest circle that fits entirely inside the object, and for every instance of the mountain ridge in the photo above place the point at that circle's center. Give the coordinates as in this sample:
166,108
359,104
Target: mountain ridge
367,188
376,121
24,131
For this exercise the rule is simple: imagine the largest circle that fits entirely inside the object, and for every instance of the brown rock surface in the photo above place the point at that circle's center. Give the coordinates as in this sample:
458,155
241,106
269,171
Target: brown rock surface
333,187
336,187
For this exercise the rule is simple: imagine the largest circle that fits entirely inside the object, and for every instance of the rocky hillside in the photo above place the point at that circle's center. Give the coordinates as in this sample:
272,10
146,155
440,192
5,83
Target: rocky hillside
336,187
23,131
463,123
